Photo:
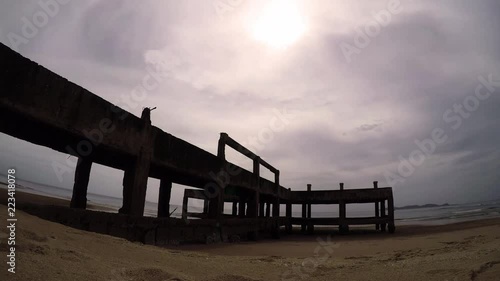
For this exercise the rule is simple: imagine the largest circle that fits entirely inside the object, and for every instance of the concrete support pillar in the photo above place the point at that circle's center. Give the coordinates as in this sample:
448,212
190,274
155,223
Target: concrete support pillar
343,226
136,176
221,148
304,217
235,209
82,177
164,198
310,226
377,209
252,212
185,202
205,206
216,206
289,217
276,207
253,205
135,183
241,208
390,207
262,206
276,216
382,214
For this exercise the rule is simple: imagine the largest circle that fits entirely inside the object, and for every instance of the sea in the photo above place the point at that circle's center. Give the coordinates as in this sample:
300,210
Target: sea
439,215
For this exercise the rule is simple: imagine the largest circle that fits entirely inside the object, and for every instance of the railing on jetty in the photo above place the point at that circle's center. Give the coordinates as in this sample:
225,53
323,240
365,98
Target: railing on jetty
381,197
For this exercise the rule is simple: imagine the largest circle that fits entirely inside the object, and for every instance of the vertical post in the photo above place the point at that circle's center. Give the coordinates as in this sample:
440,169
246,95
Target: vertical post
185,205
216,204
377,209
276,205
241,207
262,206
254,201
382,214
206,204
304,217
221,148
289,227
390,206
164,198
268,209
82,176
343,226
135,181
235,208
310,226
277,181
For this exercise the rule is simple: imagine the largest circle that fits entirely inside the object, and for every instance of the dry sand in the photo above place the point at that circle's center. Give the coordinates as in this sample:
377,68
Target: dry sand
51,251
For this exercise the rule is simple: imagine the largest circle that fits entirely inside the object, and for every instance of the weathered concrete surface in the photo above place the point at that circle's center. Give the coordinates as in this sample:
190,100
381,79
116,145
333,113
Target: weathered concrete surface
51,111
41,107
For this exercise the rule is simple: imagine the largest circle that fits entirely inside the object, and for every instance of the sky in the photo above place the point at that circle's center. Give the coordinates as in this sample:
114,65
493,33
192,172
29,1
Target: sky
401,92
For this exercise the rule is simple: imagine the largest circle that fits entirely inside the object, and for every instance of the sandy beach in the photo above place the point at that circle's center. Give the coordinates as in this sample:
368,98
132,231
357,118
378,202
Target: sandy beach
51,251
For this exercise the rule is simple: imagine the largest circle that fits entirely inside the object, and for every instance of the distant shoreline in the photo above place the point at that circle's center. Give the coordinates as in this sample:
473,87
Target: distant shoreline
412,207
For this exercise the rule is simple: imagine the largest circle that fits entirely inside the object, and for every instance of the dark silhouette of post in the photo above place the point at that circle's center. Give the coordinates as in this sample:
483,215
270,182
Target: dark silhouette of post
241,207
310,225
82,177
390,206
377,209
235,209
289,214
383,215
304,217
185,202
135,180
343,227
164,198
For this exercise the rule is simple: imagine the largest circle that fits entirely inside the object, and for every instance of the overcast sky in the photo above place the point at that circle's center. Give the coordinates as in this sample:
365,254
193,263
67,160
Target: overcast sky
357,84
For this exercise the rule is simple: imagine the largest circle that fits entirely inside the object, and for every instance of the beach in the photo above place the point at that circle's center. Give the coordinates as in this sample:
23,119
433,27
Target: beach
51,251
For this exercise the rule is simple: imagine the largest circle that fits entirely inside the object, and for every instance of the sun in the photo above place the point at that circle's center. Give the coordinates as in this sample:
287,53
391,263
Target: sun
280,24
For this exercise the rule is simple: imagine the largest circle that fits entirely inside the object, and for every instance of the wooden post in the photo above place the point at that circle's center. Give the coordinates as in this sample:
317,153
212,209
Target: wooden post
164,198
82,176
343,227
377,209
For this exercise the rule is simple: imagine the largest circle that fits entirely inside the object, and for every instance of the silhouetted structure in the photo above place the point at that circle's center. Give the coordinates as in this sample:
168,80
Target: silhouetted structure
43,108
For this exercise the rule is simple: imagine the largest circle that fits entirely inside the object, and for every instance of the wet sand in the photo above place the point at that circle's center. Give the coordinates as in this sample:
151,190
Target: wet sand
51,251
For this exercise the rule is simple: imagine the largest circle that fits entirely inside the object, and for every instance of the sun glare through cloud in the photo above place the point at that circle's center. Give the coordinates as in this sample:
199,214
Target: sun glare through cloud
280,24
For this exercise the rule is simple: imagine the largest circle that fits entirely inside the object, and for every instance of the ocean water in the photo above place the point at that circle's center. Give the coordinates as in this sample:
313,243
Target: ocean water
427,216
